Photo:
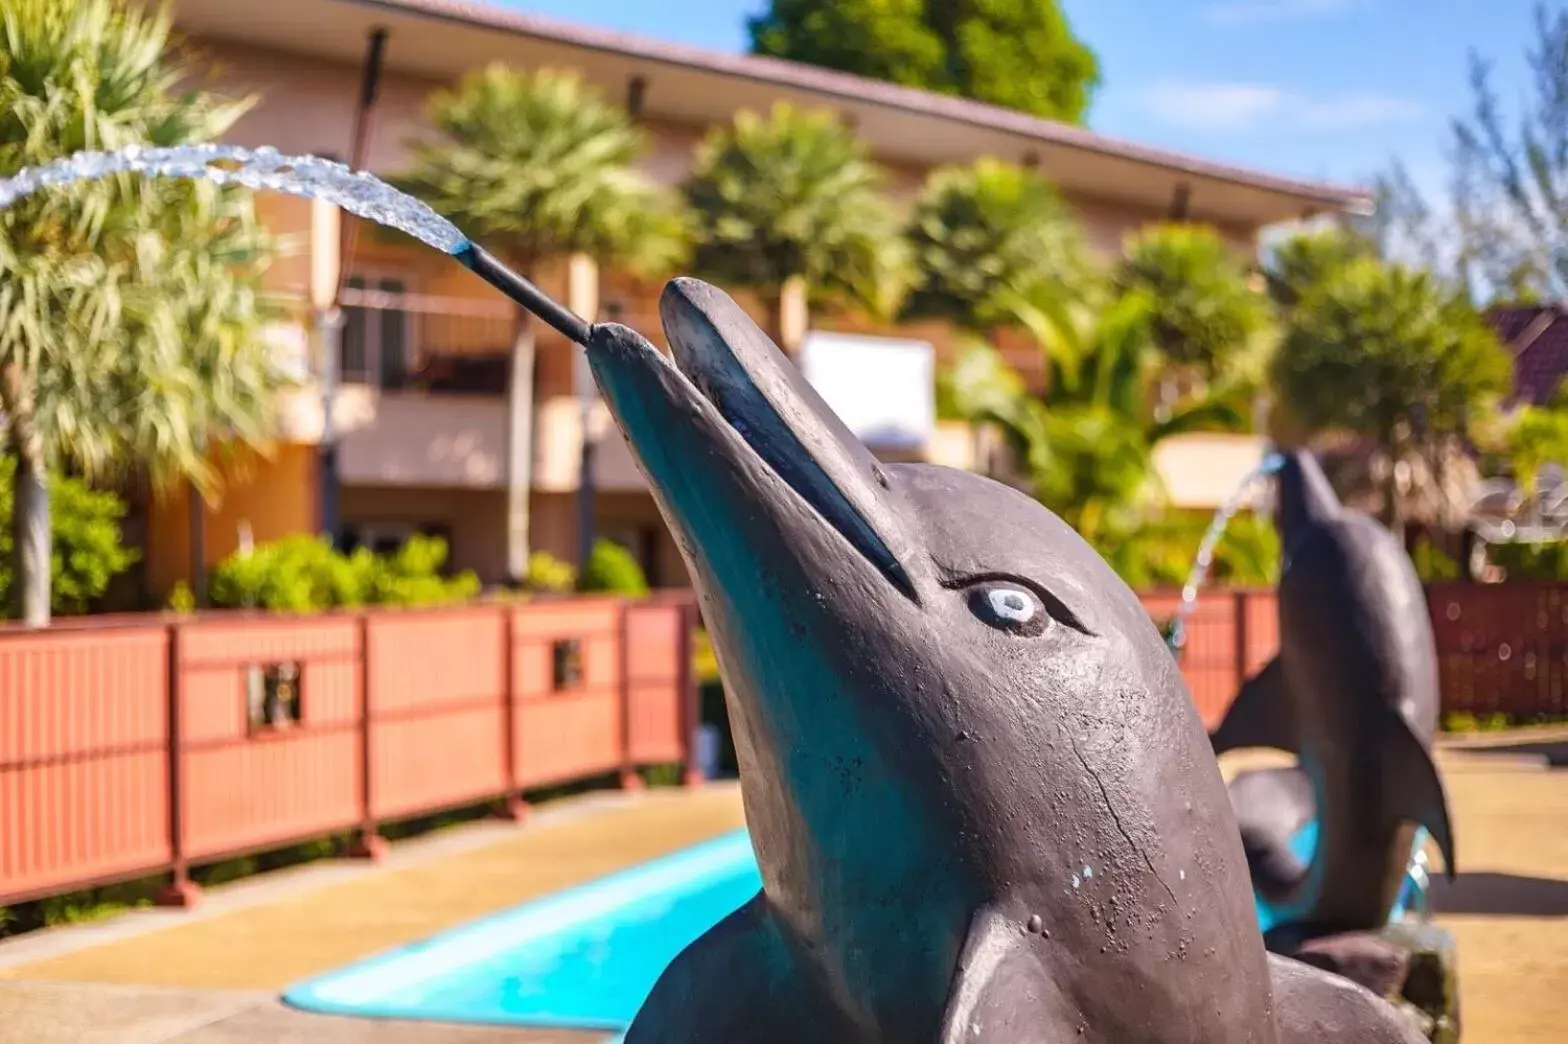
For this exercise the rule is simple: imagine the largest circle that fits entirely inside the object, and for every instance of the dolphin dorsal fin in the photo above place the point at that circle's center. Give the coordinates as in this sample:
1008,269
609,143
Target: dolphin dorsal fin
1001,991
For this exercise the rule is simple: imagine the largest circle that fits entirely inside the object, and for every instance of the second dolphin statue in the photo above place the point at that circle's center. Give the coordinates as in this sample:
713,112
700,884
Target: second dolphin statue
1354,694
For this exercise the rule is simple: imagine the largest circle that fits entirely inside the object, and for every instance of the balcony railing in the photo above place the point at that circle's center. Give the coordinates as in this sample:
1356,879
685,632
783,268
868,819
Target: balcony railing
395,340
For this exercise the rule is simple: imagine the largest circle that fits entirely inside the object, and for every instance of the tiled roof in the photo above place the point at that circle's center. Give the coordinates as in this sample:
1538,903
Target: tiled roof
844,85
1537,336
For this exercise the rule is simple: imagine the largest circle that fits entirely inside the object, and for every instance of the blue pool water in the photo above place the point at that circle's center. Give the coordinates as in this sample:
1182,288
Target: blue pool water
585,958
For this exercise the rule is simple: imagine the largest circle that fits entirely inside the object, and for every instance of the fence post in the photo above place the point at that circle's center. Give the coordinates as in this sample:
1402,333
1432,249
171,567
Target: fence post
181,890
513,806
368,844
630,778
1240,611
686,692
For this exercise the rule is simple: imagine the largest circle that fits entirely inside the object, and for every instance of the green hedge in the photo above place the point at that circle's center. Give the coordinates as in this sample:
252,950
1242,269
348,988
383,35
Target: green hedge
304,574
612,569
87,553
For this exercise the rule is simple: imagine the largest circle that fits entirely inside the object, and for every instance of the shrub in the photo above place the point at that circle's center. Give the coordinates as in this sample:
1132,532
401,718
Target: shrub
1523,561
87,553
302,574
612,569
548,573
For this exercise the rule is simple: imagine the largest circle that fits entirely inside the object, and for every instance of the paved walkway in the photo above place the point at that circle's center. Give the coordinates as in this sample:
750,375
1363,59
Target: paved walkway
212,977
157,976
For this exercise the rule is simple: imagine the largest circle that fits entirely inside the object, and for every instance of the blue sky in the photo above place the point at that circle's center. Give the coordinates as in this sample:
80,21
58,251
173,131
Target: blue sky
1316,88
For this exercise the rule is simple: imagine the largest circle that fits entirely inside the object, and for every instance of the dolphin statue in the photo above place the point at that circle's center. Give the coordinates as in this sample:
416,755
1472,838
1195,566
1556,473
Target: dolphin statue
982,803
1354,694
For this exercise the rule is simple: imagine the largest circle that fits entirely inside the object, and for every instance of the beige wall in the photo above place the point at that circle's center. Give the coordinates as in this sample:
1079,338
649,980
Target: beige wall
306,106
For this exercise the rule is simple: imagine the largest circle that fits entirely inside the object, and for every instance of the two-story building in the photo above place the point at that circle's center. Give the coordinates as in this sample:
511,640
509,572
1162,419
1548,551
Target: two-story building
420,416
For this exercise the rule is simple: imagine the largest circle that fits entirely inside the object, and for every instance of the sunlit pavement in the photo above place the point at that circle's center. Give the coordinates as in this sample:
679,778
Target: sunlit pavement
160,976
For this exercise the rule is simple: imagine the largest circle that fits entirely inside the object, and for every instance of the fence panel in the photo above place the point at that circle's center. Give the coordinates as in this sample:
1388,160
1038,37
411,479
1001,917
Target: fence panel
270,745
437,690
83,757
1503,648
658,682
566,690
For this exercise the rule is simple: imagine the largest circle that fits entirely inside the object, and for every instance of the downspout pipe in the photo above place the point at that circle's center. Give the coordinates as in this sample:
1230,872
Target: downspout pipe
330,324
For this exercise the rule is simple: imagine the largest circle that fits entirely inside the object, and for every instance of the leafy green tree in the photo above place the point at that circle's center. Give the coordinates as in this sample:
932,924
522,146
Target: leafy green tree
538,167
1020,54
1203,313
129,315
1301,263
86,550
790,205
1391,355
994,245
1087,445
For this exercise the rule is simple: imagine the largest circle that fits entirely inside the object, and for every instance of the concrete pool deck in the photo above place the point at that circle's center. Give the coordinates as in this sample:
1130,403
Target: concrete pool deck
212,976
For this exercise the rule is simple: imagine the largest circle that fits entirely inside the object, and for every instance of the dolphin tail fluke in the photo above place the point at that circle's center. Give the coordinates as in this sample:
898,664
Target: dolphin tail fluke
1001,992
1260,716
1413,791
736,982
1313,1006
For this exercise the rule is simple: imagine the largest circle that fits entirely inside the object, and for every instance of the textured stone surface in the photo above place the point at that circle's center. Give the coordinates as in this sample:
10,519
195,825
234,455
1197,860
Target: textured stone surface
1411,964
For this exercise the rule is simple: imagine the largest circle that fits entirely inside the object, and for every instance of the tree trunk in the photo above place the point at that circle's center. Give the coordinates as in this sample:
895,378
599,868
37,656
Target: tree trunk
1395,516
520,448
30,538
30,552
196,513
790,315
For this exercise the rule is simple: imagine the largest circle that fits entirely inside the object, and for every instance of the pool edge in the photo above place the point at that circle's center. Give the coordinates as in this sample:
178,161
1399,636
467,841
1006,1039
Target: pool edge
587,900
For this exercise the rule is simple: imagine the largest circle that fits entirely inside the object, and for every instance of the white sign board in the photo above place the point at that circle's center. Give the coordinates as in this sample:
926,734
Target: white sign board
882,388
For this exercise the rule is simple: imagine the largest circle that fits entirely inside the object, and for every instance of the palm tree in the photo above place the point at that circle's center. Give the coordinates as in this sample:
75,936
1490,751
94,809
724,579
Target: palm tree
789,206
537,166
1205,315
112,292
995,246
1087,443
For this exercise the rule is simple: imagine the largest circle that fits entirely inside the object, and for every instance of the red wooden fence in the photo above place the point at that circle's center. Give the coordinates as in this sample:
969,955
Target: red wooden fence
138,746
1502,648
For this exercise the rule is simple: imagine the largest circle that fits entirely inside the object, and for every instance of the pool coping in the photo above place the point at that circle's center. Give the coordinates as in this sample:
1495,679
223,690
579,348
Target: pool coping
366,987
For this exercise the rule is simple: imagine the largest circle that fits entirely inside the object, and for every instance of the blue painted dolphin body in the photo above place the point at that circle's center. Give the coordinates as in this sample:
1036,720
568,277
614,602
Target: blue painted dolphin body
981,800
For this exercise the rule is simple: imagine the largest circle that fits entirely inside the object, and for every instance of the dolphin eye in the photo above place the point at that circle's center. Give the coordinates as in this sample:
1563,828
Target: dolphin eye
1009,607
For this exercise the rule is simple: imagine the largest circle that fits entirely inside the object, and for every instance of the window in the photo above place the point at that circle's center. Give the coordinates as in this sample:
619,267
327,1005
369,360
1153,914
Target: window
272,696
375,348
566,663
386,538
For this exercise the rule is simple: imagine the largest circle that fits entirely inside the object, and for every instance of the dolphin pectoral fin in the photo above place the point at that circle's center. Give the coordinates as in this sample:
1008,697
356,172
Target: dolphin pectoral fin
736,982
1413,791
1001,991
1260,716
1312,1006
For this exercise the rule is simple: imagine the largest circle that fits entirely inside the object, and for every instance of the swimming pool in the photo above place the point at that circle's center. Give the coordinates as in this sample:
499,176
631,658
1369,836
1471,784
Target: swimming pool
585,958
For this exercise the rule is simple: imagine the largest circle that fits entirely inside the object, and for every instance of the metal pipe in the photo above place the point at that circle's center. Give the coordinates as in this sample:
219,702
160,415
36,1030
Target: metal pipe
486,266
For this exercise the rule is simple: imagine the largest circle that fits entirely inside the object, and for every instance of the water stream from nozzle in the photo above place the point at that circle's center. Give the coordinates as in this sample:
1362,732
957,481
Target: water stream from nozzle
311,177
1211,539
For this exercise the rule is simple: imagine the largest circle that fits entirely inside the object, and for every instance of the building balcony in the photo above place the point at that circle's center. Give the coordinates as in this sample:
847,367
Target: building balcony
423,383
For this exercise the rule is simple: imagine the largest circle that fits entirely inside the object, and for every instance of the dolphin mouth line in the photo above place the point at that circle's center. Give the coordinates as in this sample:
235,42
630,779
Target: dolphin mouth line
712,374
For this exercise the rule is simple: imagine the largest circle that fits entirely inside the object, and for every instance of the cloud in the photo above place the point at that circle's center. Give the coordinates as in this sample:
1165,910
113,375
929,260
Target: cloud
1240,107
1214,106
1252,12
